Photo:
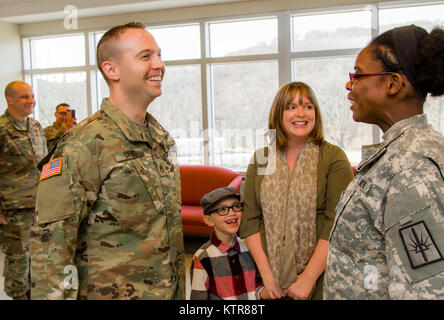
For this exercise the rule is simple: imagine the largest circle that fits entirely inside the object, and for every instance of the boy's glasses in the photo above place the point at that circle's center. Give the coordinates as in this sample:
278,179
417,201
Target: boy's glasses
223,211
356,76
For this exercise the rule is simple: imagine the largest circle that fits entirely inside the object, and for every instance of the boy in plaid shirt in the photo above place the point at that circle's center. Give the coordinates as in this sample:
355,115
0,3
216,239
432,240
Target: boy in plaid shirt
223,268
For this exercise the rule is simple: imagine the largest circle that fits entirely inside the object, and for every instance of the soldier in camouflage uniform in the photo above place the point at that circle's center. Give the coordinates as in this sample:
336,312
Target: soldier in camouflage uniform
108,205
59,127
388,238
22,146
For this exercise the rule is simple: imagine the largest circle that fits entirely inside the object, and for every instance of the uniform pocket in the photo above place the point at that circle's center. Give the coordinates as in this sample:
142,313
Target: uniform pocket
132,192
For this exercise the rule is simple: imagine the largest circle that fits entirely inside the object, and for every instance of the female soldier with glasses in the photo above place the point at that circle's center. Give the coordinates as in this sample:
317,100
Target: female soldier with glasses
388,238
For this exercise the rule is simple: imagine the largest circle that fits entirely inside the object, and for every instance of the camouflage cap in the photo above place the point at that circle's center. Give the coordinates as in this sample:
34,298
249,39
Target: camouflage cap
211,198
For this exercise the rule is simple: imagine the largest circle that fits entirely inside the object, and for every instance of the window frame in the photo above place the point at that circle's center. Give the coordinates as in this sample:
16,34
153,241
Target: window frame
284,55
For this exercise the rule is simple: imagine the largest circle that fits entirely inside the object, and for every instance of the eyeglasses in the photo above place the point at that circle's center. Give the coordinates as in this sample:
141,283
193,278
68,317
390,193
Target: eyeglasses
356,76
223,211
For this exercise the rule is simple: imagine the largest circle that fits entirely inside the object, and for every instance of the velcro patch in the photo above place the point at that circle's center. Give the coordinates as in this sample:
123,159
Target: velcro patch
127,155
52,168
419,245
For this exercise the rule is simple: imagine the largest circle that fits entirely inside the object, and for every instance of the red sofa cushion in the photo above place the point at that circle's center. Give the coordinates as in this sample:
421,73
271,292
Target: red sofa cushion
193,214
196,181
199,180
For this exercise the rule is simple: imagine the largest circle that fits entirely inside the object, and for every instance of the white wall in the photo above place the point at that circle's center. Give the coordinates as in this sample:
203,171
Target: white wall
10,58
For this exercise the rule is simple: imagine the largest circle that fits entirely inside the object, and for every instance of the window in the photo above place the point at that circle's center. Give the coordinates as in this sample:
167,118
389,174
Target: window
179,110
242,95
55,67
55,88
238,38
178,42
222,75
329,88
341,30
335,34
56,52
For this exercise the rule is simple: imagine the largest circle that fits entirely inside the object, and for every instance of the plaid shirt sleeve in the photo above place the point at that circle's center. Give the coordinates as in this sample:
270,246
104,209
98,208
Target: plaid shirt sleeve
199,280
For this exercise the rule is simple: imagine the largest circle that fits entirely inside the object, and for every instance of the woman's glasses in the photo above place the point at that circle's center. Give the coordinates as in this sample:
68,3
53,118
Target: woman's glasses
355,76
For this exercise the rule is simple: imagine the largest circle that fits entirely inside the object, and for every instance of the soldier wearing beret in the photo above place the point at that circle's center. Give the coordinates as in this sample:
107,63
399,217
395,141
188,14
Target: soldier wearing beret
22,146
108,204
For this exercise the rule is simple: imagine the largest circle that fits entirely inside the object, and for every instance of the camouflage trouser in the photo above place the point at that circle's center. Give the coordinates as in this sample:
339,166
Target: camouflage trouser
1,237
16,250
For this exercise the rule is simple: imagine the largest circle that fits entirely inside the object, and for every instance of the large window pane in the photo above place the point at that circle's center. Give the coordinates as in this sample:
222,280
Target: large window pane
179,110
53,89
243,37
65,51
423,16
343,30
178,42
327,77
242,97
102,89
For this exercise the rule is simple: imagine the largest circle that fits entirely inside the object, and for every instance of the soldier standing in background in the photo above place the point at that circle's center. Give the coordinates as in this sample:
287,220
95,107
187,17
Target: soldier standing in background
22,146
59,127
114,230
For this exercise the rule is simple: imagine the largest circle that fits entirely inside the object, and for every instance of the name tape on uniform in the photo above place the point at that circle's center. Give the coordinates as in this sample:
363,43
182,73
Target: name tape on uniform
52,168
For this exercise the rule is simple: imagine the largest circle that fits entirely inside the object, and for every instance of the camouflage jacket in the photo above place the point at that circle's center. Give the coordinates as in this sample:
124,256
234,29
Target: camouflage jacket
20,152
52,135
388,238
111,216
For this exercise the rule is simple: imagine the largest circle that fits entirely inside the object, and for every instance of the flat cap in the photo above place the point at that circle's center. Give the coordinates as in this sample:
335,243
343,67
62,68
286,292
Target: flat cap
214,196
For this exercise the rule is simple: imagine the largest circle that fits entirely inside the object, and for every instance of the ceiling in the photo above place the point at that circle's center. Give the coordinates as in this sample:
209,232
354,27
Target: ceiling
26,11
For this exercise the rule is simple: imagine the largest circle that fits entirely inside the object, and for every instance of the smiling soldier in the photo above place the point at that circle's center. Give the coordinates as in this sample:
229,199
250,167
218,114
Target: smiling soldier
22,146
116,219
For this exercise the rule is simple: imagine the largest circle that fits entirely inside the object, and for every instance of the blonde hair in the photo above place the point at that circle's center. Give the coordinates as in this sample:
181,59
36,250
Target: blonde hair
282,100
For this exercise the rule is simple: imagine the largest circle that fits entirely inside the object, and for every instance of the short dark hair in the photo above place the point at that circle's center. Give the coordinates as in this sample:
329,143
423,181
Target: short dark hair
63,104
105,51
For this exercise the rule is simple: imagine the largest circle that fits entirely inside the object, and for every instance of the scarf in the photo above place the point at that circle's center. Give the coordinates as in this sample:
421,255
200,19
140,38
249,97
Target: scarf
289,209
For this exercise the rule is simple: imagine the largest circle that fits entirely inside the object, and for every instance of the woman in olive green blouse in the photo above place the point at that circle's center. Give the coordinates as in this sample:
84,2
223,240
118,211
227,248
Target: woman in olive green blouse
290,194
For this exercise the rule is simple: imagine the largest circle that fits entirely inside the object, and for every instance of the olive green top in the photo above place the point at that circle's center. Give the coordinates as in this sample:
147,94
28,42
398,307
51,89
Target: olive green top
334,175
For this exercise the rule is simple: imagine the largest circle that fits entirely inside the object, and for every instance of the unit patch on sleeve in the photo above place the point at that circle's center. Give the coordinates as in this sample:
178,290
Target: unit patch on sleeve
52,168
419,245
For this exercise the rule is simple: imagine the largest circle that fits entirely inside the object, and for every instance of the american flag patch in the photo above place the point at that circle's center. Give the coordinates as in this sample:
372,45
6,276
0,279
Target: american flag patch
51,168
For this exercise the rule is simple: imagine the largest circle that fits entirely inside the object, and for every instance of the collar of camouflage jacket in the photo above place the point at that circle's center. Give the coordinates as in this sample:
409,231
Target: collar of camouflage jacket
371,153
19,126
132,131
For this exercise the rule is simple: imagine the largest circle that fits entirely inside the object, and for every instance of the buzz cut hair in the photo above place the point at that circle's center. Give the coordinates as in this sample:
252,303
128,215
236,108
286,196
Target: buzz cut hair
105,50
11,87
63,104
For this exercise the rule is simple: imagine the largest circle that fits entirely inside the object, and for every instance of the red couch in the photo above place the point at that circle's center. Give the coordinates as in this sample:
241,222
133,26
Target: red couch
196,181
